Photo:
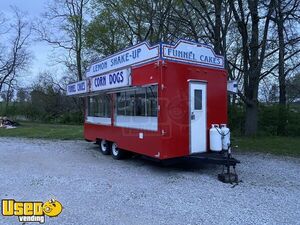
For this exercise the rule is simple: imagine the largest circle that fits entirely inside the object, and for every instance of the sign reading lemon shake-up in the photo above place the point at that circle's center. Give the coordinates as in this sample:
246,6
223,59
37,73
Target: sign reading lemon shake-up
138,54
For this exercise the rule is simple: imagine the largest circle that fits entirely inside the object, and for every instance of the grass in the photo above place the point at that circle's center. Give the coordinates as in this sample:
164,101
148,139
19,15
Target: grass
46,131
289,146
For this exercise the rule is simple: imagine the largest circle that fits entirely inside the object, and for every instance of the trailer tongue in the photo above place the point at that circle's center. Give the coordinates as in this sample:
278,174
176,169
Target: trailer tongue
163,101
228,174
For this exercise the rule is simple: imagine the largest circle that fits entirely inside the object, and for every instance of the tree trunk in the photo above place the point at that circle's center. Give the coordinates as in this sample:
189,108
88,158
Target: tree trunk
282,112
251,91
78,64
7,99
217,28
251,94
251,119
253,55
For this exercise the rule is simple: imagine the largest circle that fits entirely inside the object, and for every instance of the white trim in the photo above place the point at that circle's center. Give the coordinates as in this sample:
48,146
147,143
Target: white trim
138,122
98,120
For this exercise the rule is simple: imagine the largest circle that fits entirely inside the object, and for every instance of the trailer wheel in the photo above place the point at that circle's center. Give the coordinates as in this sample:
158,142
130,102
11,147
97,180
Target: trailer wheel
116,153
105,147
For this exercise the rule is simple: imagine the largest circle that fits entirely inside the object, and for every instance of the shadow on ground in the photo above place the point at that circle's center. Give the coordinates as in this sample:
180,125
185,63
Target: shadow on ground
179,165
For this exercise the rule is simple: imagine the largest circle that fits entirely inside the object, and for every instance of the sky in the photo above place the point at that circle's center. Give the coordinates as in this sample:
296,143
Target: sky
41,51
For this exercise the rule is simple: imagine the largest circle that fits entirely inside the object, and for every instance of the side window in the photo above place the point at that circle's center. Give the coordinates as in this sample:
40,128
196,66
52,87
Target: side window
105,105
198,99
121,103
151,100
93,106
139,102
99,106
130,103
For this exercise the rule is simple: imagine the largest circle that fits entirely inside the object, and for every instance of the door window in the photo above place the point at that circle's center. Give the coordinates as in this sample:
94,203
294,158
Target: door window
197,99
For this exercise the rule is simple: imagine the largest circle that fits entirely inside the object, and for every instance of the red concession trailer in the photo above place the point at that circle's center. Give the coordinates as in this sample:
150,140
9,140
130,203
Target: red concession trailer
163,101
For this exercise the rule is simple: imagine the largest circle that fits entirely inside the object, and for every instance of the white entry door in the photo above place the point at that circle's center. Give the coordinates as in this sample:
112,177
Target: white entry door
197,117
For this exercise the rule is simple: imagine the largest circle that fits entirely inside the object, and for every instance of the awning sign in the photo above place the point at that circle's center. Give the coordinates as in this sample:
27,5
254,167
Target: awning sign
77,88
194,53
137,54
117,79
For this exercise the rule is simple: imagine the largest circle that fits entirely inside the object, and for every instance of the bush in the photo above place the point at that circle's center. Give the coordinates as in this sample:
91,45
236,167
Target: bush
293,126
236,119
30,112
267,120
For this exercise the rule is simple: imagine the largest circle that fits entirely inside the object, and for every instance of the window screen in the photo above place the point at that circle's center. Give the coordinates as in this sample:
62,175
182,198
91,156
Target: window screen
198,99
121,103
151,100
93,106
105,106
130,103
99,106
139,102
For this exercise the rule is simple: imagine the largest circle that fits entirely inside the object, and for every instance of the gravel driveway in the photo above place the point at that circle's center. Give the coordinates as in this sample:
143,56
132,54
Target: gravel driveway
95,189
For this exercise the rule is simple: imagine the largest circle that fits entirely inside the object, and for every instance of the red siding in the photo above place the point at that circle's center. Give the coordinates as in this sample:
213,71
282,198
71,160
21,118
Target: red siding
172,137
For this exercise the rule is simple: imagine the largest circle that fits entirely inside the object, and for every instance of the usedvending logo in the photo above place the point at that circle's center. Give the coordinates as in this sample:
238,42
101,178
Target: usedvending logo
31,211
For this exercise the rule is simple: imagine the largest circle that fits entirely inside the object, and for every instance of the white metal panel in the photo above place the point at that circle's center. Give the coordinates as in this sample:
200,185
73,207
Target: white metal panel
98,120
198,111
138,122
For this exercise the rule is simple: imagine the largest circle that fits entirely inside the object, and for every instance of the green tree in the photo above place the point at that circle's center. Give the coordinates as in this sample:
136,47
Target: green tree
62,26
105,33
293,88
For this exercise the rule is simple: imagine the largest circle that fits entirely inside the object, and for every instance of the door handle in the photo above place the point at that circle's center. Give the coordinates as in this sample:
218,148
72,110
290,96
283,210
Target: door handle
192,116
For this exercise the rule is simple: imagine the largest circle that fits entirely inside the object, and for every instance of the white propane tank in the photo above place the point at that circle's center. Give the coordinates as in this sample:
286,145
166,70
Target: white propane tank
226,137
215,138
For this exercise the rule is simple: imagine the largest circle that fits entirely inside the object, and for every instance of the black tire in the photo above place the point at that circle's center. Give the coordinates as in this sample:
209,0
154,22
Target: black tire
105,147
117,153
